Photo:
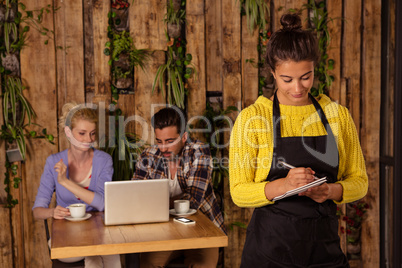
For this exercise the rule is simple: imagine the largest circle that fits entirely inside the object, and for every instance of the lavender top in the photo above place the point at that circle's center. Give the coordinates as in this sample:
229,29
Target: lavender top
102,171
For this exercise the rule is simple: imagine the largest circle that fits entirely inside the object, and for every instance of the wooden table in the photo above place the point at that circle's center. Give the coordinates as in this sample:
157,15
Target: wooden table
91,237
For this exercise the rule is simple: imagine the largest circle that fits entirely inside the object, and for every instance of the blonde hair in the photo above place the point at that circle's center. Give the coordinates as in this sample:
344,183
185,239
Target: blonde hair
72,112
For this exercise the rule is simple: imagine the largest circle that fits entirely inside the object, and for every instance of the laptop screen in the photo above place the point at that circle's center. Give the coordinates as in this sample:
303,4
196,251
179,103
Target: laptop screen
136,201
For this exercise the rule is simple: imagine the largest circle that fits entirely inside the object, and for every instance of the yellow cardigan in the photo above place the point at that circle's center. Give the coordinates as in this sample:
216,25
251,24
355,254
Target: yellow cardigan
251,148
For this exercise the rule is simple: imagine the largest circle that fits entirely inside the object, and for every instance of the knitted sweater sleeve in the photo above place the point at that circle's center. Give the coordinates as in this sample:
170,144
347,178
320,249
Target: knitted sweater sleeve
352,169
247,182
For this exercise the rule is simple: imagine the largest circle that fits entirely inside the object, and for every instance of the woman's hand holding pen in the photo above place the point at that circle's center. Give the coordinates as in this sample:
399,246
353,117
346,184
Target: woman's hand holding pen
298,177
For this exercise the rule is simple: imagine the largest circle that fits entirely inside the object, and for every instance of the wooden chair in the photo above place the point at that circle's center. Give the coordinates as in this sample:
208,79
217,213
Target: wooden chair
59,264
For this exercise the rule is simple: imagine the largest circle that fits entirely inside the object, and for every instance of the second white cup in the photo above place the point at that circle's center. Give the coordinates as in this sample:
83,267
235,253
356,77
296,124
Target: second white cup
77,210
181,206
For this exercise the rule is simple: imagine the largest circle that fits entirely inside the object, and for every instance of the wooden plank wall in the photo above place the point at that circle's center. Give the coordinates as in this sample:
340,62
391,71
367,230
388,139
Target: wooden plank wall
220,45
38,68
371,96
150,14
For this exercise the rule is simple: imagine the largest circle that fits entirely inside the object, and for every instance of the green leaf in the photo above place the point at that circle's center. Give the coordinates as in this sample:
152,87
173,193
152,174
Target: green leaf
50,137
106,51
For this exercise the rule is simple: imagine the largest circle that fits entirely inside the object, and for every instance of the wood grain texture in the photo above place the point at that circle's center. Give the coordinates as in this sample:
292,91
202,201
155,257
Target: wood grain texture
70,58
88,33
231,52
371,100
249,71
146,103
213,45
92,237
102,90
39,71
351,57
334,9
195,36
146,24
6,249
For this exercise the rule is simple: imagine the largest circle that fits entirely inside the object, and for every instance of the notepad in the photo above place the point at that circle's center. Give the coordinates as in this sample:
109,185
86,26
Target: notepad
301,189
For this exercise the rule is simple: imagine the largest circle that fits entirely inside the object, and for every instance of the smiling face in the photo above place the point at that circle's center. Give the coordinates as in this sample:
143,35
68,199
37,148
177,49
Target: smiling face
83,133
169,141
294,81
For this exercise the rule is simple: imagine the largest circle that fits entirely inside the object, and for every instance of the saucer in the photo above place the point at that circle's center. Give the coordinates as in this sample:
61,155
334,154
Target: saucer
86,217
188,213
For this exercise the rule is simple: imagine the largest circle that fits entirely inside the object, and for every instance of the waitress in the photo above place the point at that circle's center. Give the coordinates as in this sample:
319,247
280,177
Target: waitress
315,135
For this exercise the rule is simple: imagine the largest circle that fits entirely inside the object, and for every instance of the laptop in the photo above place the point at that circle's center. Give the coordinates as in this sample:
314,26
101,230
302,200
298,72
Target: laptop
136,201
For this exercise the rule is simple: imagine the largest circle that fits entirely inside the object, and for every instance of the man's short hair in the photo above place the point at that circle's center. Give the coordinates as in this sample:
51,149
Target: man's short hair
170,116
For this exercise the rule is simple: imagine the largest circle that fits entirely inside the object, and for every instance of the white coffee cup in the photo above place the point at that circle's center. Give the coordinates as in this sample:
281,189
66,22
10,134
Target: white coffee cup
181,206
77,210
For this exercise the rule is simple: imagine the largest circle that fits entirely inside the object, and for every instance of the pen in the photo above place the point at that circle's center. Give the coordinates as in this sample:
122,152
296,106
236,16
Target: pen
288,166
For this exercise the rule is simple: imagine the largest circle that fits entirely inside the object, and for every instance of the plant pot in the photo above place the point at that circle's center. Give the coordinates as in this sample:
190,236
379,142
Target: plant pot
11,13
13,152
121,22
353,248
123,83
350,211
354,234
174,30
11,63
123,63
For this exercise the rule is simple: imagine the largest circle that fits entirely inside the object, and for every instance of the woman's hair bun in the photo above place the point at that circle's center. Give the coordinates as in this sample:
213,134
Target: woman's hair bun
291,22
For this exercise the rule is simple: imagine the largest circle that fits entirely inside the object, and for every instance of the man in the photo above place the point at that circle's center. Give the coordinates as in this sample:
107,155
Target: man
188,166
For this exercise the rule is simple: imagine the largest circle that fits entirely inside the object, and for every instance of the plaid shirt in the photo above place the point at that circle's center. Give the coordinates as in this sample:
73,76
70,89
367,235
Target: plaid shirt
193,174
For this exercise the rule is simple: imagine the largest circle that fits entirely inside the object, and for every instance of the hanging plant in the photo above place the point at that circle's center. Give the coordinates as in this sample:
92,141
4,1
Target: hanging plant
17,112
174,18
256,12
177,69
124,57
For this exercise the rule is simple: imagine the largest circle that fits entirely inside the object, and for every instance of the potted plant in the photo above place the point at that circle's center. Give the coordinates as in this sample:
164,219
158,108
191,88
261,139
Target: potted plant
124,57
177,68
256,12
355,213
17,112
174,18
120,15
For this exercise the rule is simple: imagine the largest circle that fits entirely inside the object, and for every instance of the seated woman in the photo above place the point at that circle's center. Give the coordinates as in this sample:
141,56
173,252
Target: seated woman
77,174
